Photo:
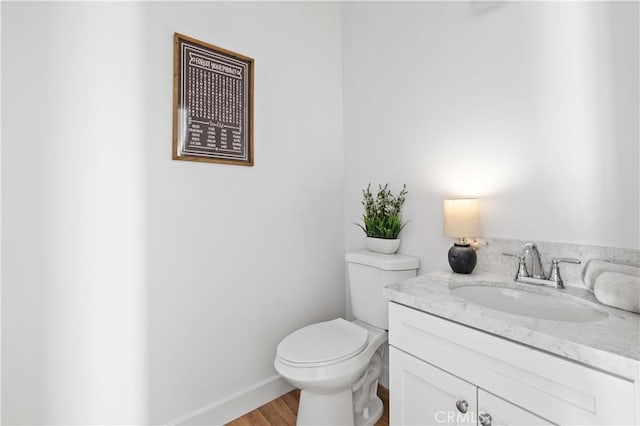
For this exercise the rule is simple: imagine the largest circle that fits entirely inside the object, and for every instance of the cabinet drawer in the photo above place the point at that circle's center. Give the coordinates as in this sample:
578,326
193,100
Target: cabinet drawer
557,389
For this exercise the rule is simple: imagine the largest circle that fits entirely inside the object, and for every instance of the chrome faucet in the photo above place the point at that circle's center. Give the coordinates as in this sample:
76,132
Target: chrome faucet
535,273
530,251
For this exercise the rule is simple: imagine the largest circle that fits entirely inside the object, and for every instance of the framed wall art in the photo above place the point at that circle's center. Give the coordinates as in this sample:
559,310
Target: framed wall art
212,103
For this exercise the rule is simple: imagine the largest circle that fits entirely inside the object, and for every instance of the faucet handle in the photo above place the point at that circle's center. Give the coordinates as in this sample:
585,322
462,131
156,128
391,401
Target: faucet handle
555,270
512,254
564,260
522,266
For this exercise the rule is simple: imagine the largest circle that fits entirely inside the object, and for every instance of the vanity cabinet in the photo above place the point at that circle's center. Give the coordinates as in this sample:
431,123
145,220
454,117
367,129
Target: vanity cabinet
424,394
435,364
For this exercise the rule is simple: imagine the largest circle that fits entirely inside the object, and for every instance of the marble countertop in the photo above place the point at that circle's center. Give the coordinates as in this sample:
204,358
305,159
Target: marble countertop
611,344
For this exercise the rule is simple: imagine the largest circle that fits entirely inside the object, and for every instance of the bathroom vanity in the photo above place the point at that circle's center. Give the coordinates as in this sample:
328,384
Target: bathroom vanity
483,350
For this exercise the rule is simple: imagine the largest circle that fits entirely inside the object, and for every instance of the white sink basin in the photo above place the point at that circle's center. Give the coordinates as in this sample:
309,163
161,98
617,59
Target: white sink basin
534,304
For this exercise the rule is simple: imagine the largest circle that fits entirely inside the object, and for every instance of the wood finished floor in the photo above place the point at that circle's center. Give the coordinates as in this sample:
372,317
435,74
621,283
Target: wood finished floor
282,411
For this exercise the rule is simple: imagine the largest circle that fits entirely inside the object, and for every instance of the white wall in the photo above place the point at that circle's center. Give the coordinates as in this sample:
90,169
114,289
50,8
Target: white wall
136,288
73,280
264,255
530,106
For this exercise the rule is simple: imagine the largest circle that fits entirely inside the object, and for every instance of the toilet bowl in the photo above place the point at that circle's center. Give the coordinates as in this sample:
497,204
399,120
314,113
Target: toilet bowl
331,362
336,364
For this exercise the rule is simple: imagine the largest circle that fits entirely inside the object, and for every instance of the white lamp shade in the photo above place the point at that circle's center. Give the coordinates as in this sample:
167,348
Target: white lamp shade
461,218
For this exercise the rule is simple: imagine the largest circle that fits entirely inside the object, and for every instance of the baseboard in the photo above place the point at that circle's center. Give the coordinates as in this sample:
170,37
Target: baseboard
237,404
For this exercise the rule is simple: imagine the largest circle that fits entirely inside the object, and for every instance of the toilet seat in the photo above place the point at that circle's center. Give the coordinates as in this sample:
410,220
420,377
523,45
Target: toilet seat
322,344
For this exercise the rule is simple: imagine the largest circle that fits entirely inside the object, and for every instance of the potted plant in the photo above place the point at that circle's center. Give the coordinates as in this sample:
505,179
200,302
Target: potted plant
382,218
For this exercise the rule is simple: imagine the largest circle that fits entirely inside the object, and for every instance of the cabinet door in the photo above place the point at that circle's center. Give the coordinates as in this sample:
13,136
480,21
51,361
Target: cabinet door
502,412
421,394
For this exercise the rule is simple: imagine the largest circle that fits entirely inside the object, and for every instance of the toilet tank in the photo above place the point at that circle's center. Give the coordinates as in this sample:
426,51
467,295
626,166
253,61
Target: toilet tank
368,273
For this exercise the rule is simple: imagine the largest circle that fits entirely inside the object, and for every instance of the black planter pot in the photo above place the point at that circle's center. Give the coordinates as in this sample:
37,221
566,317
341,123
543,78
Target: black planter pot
462,258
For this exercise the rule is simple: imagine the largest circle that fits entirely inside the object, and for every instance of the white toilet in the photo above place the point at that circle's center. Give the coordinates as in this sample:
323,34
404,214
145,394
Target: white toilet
336,364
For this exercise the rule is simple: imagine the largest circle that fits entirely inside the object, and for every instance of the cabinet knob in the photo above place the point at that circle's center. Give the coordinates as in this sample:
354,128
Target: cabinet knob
485,419
462,406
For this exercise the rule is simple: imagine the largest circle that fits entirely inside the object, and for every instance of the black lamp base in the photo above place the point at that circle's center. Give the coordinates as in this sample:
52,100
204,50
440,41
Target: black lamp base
462,258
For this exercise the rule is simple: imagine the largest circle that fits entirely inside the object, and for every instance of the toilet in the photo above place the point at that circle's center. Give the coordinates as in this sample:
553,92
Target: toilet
336,364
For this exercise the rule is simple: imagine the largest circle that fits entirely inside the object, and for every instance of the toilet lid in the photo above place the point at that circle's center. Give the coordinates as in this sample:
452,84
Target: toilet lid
323,343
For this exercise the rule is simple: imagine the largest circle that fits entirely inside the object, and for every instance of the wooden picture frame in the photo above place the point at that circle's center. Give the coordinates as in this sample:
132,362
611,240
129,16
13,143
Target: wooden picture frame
212,103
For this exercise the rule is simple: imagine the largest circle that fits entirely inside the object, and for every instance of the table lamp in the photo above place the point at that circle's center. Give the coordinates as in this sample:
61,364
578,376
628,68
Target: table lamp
461,222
